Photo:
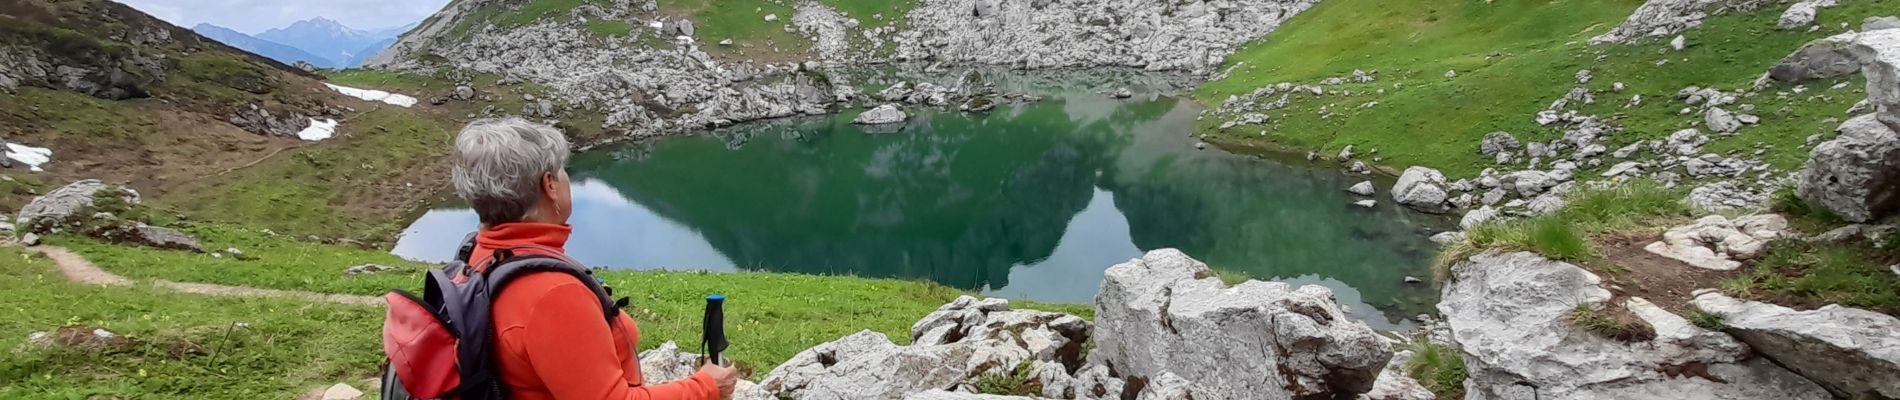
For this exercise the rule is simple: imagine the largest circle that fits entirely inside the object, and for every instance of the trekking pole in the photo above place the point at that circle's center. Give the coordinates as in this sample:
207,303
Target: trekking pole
715,328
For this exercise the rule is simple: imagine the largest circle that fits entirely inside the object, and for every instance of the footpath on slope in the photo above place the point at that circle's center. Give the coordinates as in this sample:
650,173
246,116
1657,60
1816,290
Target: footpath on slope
78,270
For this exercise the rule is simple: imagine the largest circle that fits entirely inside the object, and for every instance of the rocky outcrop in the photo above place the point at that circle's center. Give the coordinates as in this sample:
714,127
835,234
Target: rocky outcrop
868,365
73,200
667,363
1716,242
1166,314
1852,352
950,349
1659,18
1507,312
1422,189
644,89
1856,175
1394,384
1157,36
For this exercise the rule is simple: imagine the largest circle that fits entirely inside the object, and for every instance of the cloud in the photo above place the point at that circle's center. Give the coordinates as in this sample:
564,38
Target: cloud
254,16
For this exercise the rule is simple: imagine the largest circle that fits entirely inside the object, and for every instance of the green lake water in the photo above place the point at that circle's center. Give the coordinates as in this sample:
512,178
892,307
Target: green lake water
1031,201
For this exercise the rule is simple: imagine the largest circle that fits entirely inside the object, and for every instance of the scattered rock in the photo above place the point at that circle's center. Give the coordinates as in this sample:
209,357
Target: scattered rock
1395,384
1626,168
1726,196
1799,15
1446,238
1498,142
1526,348
342,391
1363,188
1477,217
1121,93
771,17
1852,352
1678,43
884,114
1345,153
1366,203
464,92
1721,121
1166,313
367,269
1856,175
1855,232
1715,242
30,239
1658,18
68,201
1422,189
1879,23
80,337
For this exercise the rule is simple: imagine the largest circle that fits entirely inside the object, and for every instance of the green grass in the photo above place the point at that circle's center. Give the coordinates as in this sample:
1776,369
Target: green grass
188,346
1810,274
1425,119
606,28
770,316
1566,235
226,70
1441,368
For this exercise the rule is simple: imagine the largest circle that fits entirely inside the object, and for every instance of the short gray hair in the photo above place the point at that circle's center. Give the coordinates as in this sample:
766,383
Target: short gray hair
499,164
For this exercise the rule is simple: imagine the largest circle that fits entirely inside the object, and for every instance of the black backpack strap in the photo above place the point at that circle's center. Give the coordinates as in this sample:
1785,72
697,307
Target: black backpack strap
468,247
508,267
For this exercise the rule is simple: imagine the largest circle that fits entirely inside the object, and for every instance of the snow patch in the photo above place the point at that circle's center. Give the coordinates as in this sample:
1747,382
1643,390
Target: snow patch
33,157
319,129
374,95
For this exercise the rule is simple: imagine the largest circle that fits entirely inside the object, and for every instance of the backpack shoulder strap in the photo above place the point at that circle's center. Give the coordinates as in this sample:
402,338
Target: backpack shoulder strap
509,267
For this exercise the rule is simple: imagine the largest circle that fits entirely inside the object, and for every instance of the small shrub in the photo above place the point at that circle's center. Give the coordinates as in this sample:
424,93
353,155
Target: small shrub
1603,322
1439,367
1016,382
1559,239
1800,213
1704,319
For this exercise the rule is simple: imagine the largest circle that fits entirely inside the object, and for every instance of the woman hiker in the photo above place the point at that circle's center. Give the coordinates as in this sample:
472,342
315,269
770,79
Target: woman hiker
550,338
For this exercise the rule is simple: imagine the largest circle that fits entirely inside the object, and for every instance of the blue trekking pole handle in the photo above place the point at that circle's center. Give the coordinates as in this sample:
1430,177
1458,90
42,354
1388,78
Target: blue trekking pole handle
714,336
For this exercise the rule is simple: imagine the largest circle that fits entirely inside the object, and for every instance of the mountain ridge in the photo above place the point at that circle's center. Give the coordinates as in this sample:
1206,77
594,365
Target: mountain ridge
276,51
342,45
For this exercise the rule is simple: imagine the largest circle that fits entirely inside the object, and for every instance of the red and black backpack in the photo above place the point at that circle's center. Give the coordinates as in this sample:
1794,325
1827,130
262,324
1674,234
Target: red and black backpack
441,345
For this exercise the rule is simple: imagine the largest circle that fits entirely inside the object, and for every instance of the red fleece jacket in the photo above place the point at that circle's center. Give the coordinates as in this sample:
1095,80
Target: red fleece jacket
553,343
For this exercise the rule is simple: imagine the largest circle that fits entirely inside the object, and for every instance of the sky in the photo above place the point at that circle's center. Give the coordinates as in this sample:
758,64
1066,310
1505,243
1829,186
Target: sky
256,16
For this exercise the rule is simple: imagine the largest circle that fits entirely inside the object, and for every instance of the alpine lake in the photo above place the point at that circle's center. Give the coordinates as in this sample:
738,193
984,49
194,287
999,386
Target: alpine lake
1028,201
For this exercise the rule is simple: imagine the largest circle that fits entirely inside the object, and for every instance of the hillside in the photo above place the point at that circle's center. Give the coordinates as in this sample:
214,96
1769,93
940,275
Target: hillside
203,129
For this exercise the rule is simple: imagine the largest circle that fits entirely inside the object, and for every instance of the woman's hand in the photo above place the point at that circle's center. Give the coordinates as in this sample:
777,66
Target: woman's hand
726,377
